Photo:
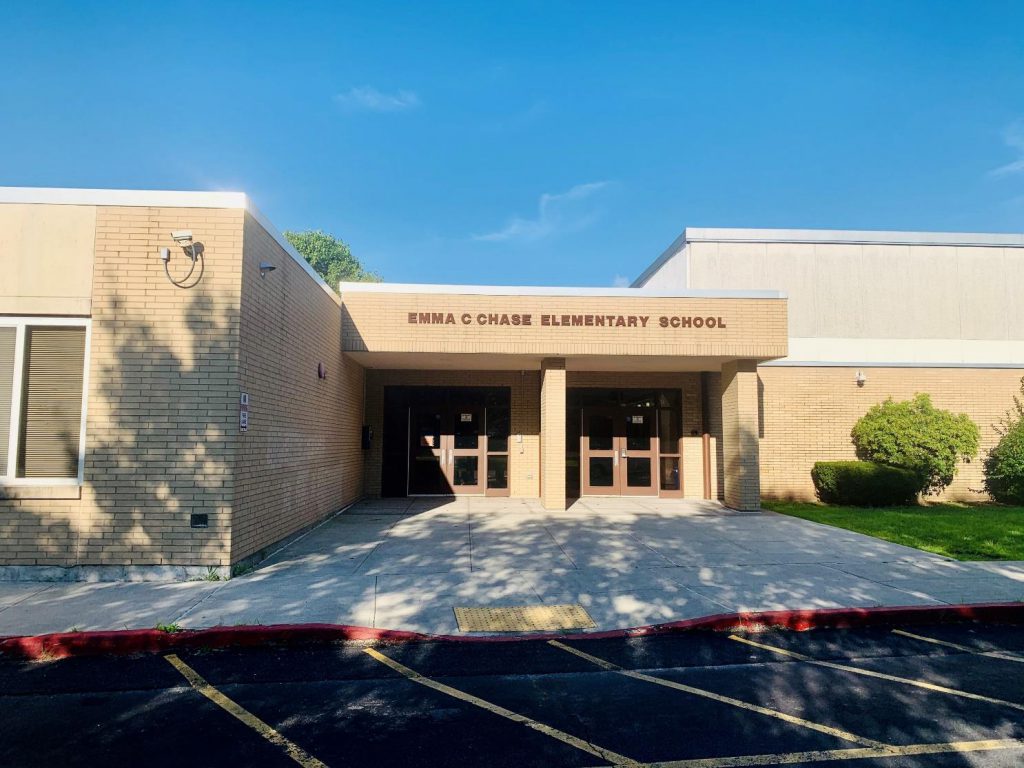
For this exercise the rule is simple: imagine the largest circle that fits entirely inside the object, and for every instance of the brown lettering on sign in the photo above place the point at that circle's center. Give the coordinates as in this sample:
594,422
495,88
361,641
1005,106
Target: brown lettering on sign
702,322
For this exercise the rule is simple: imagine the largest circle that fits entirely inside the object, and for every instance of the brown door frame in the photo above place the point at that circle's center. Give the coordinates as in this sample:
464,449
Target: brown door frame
619,452
480,451
586,452
446,453
650,421
437,451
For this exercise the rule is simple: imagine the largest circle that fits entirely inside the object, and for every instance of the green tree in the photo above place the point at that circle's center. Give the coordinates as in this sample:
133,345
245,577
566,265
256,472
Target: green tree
916,435
330,257
1004,465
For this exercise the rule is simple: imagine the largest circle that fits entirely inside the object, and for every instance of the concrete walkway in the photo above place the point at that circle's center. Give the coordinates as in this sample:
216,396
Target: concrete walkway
406,563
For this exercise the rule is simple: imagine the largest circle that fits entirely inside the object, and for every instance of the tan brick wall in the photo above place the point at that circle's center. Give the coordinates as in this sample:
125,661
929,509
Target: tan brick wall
714,400
807,414
161,421
300,459
740,427
754,328
524,457
552,433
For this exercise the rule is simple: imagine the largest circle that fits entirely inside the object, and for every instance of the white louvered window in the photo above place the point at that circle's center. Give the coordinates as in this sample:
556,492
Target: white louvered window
42,404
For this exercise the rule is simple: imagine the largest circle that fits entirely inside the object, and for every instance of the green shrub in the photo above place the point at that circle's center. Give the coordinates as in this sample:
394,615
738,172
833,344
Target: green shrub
864,483
1004,465
915,435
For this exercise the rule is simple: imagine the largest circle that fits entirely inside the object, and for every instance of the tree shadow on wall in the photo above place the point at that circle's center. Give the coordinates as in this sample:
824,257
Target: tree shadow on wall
159,437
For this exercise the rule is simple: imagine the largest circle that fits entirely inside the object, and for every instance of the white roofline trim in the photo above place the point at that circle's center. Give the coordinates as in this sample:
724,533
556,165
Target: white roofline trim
507,290
853,237
886,364
160,199
677,246
124,197
288,248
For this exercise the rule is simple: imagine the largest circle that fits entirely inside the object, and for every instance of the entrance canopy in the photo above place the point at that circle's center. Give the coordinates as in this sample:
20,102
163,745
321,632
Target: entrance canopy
539,354
424,327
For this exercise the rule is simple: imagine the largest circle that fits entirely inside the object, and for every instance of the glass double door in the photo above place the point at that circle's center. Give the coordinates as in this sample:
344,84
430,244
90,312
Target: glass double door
618,452
447,450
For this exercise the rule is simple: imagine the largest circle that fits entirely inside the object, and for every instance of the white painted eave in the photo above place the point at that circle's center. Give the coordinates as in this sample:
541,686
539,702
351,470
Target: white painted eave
530,290
157,198
123,197
853,237
827,237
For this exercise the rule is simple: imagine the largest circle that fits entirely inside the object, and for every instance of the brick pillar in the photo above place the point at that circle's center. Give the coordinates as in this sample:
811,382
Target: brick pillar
552,432
740,435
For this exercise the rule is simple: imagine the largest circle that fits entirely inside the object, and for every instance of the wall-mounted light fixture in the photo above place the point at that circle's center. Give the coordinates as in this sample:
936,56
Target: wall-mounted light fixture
861,379
266,266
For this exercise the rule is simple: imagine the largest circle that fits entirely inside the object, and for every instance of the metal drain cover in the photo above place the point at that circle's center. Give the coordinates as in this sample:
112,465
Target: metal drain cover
523,618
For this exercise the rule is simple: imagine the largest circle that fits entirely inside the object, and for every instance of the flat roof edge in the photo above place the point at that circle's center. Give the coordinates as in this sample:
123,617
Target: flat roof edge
288,248
506,290
677,246
155,198
123,197
852,237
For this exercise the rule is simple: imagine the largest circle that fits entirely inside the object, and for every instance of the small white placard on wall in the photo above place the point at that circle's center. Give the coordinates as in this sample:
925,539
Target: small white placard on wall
638,419
466,416
243,421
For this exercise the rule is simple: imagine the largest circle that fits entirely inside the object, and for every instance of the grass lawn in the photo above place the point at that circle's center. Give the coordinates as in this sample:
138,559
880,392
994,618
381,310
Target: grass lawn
964,532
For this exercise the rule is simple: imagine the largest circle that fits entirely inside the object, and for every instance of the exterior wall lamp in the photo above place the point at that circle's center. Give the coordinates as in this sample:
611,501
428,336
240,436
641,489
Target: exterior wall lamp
861,379
266,266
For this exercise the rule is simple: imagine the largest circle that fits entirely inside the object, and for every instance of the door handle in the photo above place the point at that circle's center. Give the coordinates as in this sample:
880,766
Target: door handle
624,453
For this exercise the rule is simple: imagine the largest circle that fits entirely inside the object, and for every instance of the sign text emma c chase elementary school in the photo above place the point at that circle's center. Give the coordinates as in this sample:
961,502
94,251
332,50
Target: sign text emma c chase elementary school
583,321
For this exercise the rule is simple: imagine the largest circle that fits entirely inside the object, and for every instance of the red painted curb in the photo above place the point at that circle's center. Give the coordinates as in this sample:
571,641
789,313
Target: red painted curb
124,642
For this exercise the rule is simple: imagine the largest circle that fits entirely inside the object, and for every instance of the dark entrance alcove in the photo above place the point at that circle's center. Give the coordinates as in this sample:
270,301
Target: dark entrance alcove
440,441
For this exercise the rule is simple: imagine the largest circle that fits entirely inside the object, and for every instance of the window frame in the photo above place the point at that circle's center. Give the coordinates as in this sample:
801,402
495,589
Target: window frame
8,474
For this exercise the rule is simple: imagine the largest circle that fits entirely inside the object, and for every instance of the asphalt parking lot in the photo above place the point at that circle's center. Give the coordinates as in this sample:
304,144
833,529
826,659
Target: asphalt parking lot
932,696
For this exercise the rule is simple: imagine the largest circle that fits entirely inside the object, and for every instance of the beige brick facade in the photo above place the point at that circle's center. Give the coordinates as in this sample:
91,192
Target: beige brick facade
552,426
300,459
563,326
739,435
806,415
167,367
162,414
165,371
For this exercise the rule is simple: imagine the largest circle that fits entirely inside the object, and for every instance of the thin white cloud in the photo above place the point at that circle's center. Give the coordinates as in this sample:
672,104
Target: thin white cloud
620,281
366,98
1014,138
568,211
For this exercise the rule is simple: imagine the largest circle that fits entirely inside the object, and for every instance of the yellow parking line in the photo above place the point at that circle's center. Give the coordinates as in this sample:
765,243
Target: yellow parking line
1005,655
880,675
827,729
834,755
295,752
547,730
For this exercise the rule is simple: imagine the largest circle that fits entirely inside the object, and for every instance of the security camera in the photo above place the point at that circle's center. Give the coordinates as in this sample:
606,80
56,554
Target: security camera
182,236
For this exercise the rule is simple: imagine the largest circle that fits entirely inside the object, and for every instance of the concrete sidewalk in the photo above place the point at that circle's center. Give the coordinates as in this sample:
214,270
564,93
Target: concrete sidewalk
406,563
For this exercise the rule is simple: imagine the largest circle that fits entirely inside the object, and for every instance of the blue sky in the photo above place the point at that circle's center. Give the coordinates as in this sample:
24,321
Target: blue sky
530,143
